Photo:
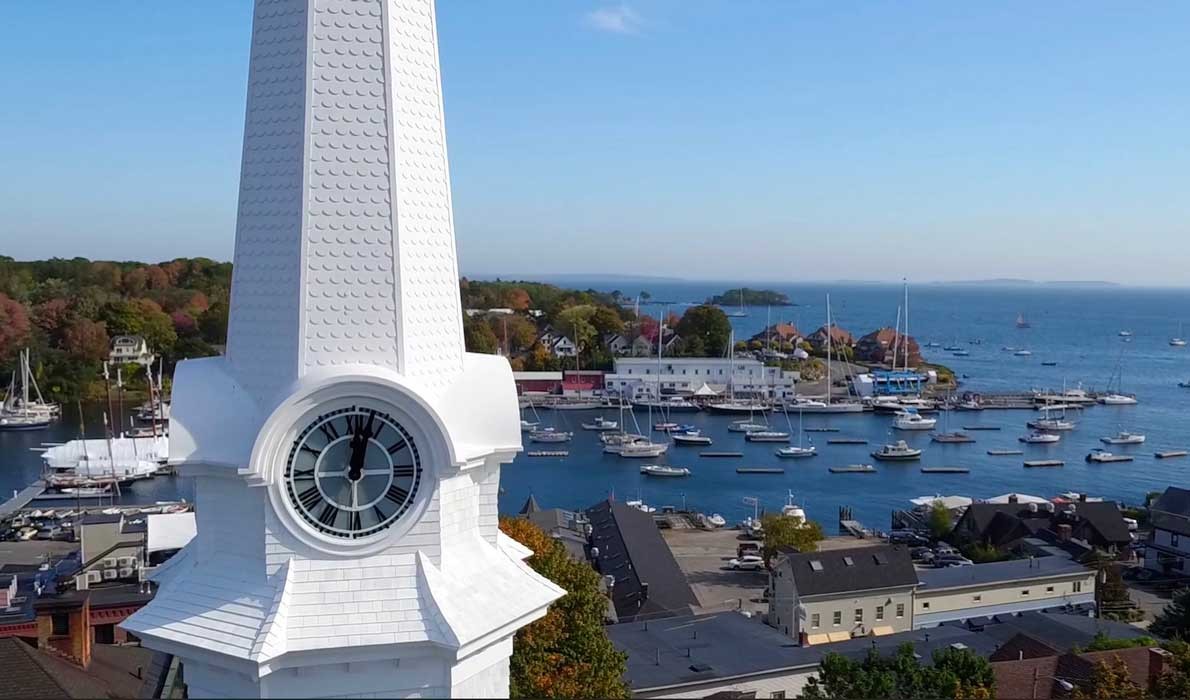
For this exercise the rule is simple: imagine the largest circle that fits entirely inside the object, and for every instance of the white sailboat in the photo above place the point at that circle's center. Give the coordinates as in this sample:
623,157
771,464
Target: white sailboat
830,406
733,405
799,450
18,411
1117,397
1179,340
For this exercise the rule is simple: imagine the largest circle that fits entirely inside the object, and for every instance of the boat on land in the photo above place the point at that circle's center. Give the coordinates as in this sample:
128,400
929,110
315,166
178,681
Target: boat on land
1123,438
600,423
900,451
663,470
690,437
716,520
1038,438
1103,456
910,419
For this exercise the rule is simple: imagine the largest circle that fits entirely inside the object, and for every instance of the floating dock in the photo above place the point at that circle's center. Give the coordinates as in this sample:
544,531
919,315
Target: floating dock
759,470
821,430
1171,453
549,453
854,469
981,427
847,441
1109,459
952,439
1005,453
720,454
21,499
945,470
1034,463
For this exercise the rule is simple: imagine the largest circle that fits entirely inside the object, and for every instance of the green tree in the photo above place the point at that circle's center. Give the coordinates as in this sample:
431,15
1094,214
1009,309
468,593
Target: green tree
606,320
1110,680
1174,621
784,531
1174,682
709,325
575,323
213,323
955,673
1114,601
478,336
940,525
566,653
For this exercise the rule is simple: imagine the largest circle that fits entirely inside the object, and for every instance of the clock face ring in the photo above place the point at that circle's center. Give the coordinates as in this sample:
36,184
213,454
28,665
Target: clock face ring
352,472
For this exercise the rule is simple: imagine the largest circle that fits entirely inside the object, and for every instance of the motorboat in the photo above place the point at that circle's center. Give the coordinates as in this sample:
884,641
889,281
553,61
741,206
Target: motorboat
1125,334
1177,342
738,407
13,422
663,470
1049,363
745,426
953,348
1123,438
898,451
716,520
1008,348
1051,424
1023,353
690,437
767,436
643,448
1068,396
791,509
601,423
1185,384
795,452
528,426
550,435
1117,400
665,427
1038,438
961,353
670,404
910,419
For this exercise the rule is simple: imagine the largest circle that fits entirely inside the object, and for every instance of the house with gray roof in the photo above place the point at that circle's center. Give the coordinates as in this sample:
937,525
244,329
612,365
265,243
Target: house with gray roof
1168,546
1099,524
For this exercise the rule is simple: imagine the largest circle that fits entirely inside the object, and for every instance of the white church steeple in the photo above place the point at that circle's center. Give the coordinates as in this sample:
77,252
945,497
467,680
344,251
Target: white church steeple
346,451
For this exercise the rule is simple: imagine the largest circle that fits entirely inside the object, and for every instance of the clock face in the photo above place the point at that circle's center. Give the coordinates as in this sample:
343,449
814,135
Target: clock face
352,472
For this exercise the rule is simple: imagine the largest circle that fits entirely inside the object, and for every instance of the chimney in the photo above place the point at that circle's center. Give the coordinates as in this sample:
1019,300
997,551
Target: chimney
1013,499
1157,660
1064,532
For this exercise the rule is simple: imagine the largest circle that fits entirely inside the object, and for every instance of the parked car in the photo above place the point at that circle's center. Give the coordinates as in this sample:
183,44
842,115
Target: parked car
922,554
745,548
952,560
748,562
944,549
908,537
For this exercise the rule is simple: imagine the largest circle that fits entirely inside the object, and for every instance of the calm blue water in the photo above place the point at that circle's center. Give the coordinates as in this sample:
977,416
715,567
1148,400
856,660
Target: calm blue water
1075,327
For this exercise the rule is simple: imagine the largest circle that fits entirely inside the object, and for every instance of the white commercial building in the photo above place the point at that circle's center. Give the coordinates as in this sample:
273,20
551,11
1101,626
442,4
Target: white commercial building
346,451
638,377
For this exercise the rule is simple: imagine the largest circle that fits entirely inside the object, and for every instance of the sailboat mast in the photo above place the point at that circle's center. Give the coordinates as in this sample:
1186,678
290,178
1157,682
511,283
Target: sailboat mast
896,339
905,343
828,349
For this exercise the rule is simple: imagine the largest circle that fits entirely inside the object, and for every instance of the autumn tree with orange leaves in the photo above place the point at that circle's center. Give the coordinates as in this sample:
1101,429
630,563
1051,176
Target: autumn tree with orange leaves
565,654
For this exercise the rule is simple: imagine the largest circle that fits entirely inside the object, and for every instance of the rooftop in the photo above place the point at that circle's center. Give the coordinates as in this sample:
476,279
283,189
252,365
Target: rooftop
998,572
852,569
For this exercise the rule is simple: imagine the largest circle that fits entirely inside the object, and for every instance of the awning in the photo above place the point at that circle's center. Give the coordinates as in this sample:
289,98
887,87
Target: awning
818,639
839,636
882,631
705,390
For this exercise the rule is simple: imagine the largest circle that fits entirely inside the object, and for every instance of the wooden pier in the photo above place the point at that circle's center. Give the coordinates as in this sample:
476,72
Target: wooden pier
846,441
720,454
1035,463
21,499
759,470
854,469
945,470
548,453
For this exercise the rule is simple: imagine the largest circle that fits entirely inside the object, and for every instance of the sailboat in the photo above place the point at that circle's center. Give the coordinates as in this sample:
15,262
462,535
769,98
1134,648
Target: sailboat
799,450
1117,397
1179,341
733,405
18,413
1022,322
740,313
644,446
828,406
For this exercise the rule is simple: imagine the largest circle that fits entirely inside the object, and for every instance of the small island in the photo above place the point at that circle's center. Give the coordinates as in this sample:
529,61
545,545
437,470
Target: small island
750,297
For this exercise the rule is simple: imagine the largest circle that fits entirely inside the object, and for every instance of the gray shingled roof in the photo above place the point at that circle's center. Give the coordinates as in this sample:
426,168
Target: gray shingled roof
996,572
854,569
1171,511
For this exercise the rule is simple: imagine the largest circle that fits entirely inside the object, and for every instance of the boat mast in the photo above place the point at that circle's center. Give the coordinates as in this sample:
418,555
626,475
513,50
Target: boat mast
905,343
828,348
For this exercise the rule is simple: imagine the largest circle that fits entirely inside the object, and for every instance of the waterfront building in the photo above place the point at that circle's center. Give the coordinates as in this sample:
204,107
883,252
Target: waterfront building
892,383
778,333
839,338
962,593
346,450
638,378
1096,524
878,346
1168,546
834,595
130,349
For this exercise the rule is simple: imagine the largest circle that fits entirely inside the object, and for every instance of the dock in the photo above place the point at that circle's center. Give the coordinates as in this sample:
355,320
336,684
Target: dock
847,441
854,469
759,470
720,454
821,430
549,453
1171,453
952,439
945,470
21,499
1103,459
981,427
1034,463
1005,453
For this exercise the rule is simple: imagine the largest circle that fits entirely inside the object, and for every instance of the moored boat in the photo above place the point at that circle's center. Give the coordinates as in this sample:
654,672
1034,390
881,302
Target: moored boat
663,470
910,419
1039,438
601,423
1123,438
692,437
795,452
900,451
550,435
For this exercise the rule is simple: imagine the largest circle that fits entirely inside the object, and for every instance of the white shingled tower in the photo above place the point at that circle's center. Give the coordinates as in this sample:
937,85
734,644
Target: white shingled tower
346,450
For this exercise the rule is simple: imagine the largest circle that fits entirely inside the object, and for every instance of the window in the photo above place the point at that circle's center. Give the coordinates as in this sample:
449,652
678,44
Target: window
900,610
815,565
777,695
838,620
924,606
879,613
1078,586
848,561
1173,539
1024,591
859,614
61,624
815,619
1049,589
976,598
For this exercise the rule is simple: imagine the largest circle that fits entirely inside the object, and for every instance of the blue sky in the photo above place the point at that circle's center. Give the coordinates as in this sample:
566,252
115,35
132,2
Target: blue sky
702,139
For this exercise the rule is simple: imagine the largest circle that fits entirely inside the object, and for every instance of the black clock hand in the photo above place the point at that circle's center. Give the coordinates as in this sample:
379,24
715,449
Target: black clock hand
359,449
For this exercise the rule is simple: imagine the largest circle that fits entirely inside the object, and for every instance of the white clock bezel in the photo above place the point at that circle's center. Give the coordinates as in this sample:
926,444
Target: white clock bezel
287,422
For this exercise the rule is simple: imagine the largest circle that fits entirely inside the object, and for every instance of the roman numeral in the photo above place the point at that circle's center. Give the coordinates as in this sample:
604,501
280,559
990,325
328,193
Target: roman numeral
328,515
403,470
353,422
309,498
303,473
396,494
397,447
328,429
311,450
379,514
357,523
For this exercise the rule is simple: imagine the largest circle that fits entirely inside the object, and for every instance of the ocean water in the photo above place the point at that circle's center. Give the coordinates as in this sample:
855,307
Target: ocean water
1077,328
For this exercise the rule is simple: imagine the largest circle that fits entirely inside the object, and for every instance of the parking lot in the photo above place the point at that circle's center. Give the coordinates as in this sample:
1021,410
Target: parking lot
704,555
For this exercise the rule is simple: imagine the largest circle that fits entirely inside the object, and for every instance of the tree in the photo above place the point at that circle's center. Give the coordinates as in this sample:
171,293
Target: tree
516,333
51,316
213,324
575,323
1174,682
86,340
785,531
1174,620
566,653
939,520
709,325
517,299
1110,681
478,336
606,320
14,325
1114,601
955,673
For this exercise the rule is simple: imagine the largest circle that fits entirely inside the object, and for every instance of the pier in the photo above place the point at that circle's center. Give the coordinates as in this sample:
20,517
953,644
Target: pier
945,470
720,454
1171,453
854,469
1035,463
1005,453
21,499
759,470
847,441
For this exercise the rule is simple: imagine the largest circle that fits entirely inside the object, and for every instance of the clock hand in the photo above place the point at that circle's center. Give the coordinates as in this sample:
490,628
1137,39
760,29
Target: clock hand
359,449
